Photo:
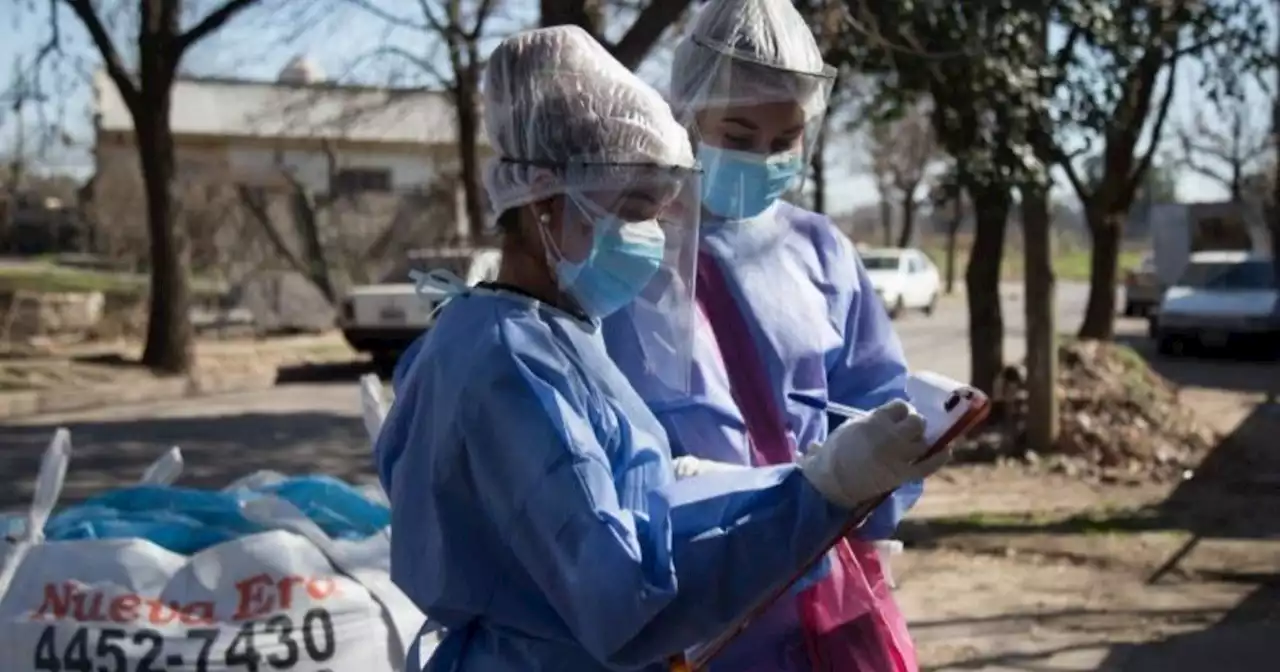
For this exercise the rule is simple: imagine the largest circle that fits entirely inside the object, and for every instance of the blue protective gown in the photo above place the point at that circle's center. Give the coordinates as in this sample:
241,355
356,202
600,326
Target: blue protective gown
822,331
535,513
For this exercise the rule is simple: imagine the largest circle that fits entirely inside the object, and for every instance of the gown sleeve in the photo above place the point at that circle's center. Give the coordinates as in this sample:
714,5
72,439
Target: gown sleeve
633,585
868,371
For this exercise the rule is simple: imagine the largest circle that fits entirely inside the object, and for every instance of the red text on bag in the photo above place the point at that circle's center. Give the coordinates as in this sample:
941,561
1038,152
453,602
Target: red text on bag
256,595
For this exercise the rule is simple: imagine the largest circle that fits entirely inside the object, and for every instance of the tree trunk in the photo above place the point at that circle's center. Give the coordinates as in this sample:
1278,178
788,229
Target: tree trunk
908,231
1041,329
583,13
953,231
819,169
986,325
1275,185
886,219
468,147
1106,227
169,335
306,221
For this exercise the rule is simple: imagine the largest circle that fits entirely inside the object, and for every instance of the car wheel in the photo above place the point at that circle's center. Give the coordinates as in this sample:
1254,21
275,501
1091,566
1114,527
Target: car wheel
899,305
1171,346
933,303
384,361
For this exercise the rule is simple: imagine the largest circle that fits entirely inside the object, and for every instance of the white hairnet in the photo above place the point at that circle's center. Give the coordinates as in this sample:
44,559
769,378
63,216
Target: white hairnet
746,52
555,101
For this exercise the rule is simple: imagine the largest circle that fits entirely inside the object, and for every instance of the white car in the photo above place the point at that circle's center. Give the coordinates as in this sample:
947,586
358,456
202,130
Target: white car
905,279
383,319
1223,299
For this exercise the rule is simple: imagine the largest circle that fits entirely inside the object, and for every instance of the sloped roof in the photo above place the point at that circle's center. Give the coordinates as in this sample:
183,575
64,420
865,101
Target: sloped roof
240,108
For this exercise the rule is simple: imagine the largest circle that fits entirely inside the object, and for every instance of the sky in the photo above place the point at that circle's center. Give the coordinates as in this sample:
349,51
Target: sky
260,42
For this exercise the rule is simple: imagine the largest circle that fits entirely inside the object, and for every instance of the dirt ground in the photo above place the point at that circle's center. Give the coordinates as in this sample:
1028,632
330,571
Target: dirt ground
1008,569
114,363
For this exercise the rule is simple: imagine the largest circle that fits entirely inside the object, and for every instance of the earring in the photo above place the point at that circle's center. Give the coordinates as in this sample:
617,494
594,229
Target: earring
544,218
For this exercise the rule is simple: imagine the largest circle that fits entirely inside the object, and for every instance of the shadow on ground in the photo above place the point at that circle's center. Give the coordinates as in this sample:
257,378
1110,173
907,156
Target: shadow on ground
330,372
1234,495
216,449
1245,640
1247,372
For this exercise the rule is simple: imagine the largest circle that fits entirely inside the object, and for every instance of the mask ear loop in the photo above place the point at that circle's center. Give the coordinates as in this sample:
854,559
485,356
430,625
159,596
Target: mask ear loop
550,249
437,280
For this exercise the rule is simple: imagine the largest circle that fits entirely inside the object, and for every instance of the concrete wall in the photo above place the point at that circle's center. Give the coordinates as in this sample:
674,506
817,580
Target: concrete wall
210,211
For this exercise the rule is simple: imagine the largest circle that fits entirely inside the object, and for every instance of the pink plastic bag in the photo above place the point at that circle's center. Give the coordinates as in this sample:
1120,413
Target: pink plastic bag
850,619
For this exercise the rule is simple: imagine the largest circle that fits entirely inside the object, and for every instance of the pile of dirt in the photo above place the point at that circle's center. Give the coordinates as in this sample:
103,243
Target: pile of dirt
1119,420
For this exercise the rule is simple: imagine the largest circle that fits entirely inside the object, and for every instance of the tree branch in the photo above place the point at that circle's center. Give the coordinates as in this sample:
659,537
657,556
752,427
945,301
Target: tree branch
393,19
482,15
1190,146
1206,171
84,10
55,37
647,29
1064,55
253,200
1144,163
443,29
417,61
211,22
1195,48
1073,176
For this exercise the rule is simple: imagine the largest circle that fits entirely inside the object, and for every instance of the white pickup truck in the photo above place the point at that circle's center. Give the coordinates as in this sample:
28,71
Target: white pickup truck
383,319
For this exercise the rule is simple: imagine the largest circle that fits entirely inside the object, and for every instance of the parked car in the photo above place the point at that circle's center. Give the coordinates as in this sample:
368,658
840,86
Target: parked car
1180,230
1142,288
1223,299
905,279
383,319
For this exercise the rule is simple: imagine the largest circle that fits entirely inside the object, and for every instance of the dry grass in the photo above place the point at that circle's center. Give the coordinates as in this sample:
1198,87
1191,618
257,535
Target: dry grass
1070,259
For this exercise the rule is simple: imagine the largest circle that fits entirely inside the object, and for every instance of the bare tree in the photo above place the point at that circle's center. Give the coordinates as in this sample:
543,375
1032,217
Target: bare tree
456,27
1226,152
652,18
818,166
330,237
902,152
1275,178
146,90
882,174
947,197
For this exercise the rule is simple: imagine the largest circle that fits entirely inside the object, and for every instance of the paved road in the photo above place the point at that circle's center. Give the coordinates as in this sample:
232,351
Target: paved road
314,426
940,342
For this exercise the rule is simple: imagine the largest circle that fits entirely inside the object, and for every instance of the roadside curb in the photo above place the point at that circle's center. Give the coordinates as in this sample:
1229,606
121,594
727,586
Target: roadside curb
41,402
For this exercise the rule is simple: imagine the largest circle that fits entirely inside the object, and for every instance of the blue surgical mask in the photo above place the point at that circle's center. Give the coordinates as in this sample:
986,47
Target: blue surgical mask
741,185
624,257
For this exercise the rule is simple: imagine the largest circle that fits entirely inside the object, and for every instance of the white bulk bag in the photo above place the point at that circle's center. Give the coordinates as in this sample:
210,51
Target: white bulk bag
291,598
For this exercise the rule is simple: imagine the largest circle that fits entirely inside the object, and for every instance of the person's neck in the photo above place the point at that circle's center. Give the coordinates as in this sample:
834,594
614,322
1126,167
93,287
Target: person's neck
521,271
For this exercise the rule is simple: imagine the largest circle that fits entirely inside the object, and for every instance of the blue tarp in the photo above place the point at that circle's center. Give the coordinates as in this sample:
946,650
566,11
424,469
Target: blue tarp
188,520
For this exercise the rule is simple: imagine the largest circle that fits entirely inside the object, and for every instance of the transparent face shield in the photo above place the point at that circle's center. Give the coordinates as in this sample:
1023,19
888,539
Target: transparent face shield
755,127
625,248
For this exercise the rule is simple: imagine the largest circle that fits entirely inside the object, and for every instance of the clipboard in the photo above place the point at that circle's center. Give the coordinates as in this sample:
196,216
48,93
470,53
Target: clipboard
951,409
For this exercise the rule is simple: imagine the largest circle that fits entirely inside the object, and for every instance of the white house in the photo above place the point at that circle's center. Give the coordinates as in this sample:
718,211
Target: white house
324,135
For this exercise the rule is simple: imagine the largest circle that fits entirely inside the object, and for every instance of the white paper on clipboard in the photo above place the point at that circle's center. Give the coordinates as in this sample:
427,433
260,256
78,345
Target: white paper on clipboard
931,395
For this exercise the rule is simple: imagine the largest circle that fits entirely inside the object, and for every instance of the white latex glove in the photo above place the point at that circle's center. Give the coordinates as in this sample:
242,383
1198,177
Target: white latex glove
871,456
688,466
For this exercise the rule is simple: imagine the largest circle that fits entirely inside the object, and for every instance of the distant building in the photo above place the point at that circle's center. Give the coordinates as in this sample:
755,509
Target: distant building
330,138
1218,225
